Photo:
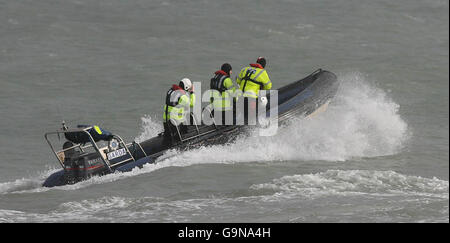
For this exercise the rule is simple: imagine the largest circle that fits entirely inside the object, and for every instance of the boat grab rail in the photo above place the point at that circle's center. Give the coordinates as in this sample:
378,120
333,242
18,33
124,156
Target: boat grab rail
91,139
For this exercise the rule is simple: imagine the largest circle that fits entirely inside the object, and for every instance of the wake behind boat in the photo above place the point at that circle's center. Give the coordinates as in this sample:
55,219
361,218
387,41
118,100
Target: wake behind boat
91,151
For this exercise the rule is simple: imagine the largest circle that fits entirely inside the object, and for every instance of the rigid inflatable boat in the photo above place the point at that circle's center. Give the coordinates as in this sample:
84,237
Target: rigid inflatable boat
91,151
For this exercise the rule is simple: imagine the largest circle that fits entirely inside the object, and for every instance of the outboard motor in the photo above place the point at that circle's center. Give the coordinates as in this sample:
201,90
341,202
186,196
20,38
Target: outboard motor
70,156
80,166
89,165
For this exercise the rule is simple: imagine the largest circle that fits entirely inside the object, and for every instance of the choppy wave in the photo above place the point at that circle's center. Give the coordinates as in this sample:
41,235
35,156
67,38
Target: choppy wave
343,182
403,198
149,128
31,183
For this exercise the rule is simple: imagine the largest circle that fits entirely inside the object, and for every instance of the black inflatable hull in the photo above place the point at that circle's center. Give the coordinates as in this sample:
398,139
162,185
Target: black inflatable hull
300,98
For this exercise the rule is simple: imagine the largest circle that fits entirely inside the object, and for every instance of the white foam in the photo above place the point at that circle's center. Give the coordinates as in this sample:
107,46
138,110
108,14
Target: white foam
360,122
356,182
289,189
31,184
149,128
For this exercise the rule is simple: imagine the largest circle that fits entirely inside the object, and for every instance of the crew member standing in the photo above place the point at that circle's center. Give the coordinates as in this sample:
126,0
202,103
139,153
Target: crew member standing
179,99
251,79
222,100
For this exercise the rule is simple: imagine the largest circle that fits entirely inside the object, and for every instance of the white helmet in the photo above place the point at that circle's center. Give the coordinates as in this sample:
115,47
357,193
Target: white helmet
187,84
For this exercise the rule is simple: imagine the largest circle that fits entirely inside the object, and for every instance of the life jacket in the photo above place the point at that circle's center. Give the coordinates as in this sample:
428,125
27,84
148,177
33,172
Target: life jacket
222,101
217,82
252,79
174,94
249,73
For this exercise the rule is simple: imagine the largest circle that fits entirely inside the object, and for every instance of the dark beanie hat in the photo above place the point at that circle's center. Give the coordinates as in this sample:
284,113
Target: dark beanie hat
226,67
262,61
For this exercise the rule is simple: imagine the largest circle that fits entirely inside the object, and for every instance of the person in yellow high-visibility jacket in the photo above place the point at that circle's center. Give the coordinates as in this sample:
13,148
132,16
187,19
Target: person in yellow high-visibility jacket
251,80
179,99
222,95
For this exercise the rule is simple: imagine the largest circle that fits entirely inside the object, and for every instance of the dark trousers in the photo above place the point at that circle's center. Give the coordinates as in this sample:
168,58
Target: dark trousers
170,130
224,117
250,111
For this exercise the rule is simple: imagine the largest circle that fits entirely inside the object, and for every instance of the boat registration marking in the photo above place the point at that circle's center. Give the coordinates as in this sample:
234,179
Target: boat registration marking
116,154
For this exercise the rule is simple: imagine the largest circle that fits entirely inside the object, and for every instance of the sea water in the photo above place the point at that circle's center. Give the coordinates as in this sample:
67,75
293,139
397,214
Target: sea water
379,153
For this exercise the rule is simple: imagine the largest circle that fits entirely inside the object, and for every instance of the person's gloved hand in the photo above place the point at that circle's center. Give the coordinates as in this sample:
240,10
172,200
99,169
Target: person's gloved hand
263,101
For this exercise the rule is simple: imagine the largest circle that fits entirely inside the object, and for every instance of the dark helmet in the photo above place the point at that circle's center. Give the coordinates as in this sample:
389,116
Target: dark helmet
226,67
262,61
